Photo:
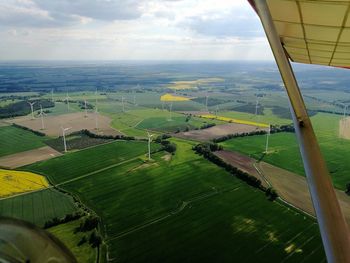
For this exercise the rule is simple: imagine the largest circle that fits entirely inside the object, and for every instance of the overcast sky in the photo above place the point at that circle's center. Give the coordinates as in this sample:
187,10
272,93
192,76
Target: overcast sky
131,29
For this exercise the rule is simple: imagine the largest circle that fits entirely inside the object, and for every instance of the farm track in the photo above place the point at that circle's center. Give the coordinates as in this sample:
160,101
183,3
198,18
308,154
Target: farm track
183,205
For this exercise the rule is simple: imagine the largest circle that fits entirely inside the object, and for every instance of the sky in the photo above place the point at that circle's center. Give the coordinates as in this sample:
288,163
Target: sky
131,30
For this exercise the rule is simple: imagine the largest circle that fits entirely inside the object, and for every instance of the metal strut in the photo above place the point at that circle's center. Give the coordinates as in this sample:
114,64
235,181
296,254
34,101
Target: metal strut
332,224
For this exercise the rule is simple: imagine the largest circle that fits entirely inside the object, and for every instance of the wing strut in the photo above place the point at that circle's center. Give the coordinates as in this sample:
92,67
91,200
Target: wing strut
333,227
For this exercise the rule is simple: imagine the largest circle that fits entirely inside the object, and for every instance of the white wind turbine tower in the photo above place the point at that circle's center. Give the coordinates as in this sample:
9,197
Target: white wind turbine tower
85,107
345,108
149,145
170,108
216,110
123,103
67,98
64,137
206,102
256,107
32,108
96,117
41,114
267,139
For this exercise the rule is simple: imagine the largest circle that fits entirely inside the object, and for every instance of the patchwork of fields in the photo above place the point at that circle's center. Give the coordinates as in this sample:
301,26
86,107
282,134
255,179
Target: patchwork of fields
151,211
175,208
284,151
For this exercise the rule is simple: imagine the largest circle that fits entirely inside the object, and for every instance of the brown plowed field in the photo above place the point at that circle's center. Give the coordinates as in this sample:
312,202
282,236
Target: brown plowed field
344,128
291,187
24,158
76,121
217,131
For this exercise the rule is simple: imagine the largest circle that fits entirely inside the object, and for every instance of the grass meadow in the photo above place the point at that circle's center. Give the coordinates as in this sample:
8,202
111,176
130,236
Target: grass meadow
65,232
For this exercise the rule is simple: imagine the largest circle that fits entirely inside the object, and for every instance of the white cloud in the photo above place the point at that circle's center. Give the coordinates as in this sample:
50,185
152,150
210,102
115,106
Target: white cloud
130,29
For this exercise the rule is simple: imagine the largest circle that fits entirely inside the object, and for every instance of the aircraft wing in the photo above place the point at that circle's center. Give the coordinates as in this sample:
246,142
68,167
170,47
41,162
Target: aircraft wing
313,32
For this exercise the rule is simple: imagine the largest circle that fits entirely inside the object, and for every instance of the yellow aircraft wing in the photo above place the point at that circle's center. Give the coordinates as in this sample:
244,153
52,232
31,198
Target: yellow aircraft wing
313,32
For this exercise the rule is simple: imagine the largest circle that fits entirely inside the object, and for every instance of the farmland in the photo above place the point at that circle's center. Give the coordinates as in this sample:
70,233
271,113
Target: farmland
14,140
38,207
284,151
75,164
175,196
14,182
176,207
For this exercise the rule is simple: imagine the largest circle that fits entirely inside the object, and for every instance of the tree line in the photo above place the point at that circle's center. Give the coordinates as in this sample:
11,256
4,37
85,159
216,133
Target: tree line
22,108
274,129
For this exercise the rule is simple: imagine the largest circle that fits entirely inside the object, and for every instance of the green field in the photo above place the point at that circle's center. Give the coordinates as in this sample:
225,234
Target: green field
38,207
75,164
162,211
14,140
284,150
65,232
135,122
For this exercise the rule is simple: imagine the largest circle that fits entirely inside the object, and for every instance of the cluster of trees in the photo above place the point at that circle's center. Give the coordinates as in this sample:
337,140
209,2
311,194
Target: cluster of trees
207,149
28,129
274,129
166,145
90,224
57,221
88,105
21,108
107,137
207,125
235,135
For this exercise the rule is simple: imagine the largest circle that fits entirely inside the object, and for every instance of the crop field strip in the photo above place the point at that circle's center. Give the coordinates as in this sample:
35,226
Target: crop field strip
14,140
134,194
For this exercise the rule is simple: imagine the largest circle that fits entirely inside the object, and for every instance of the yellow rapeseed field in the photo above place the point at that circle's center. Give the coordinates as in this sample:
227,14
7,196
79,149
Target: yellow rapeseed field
14,182
170,97
227,119
193,84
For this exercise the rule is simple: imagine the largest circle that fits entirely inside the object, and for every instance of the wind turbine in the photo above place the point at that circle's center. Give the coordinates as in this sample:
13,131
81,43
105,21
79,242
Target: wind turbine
64,137
256,107
67,98
345,108
32,108
170,108
206,102
149,145
267,139
216,110
96,117
85,107
123,103
41,114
